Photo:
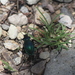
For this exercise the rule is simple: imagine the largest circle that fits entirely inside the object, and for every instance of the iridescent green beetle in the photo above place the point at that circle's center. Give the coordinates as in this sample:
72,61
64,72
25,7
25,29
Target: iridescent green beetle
28,45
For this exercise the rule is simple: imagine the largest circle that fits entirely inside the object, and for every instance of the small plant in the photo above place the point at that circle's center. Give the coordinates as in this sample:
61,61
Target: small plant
54,34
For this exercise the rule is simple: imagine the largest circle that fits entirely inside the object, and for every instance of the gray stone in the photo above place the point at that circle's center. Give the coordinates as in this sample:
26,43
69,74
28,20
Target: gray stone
31,2
65,11
17,60
64,64
25,72
4,74
63,0
38,68
24,9
5,27
44,55
65,20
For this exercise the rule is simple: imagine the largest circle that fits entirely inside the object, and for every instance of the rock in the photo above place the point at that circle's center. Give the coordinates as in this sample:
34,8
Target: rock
31,2
1,68
44,55
18,20
65,20
20,36
24,9
26,72
38,15
50,8
63,0
19,53
17,60
4,2
0,31
38,68
57,12
19,29
65,11
4,33
73,35
3,16
5,27
45,3
70,43
7,57
11,45
64,64
12,32
73,4
4,74
32,26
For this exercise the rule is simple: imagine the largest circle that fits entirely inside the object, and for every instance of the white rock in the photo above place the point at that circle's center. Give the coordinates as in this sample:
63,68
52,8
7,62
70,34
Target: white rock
12,32
10,44
24,9
18,20
4,2
17,60
70,43
19,53
20,36
44,55
31,2
65,20
0,31
38,15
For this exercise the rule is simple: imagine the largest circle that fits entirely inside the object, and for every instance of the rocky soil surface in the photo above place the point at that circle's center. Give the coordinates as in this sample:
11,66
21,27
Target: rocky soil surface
16,18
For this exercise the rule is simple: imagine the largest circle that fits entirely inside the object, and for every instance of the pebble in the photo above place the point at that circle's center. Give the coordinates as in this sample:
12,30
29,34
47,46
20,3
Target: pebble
12,32
18,20
17,60
25,72
24,9
65,20
70,44
38,68
20,36
38,15
65,11
11,45
0,31
4,33
5,27
19,53
1,68
44,55
73,34
57,12
31,2
50,8
4,74
19,29
7,57
63,0
4,2
45,3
